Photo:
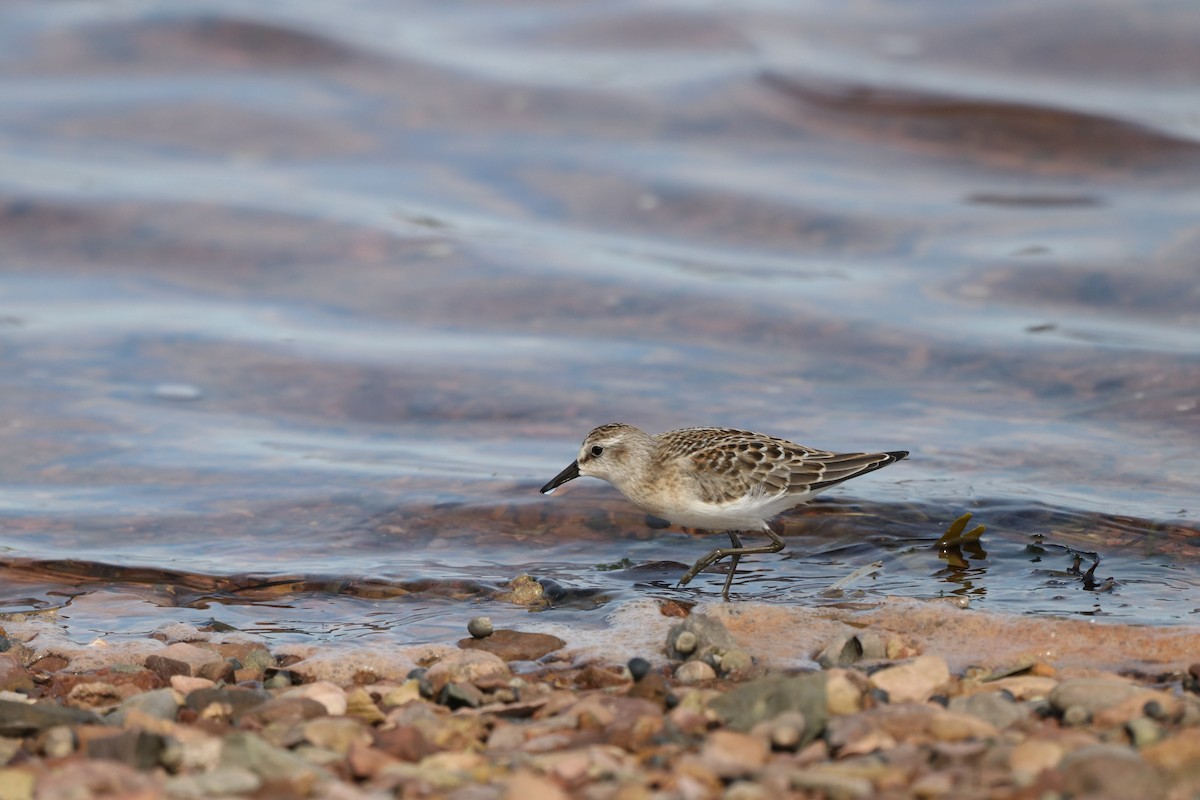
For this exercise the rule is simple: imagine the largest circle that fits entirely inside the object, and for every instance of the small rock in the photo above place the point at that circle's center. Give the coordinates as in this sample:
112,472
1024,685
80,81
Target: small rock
13,675
182,658
691,672
468,666
221,782
766,698
524,590
736,662
685,643
185,684
285,711
708,639
638,668
160,704
272,764
515,645
136,748
337,734
56,742
405,742
845,649
1144,732
734,755
225,703
480,627
360,704
1091,694
991,707
913,682
785,732
327,694
1107,770
844,691
461,695
1031,757
22,719
1075,716
404,693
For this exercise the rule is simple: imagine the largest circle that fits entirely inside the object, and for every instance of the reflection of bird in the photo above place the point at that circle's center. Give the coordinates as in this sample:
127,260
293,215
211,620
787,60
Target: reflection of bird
716,479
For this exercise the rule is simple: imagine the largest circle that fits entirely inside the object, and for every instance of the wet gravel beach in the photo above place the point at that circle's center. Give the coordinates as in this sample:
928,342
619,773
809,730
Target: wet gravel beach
894,701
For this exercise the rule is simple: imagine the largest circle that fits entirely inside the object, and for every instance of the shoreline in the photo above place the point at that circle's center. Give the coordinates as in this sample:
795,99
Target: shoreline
903,698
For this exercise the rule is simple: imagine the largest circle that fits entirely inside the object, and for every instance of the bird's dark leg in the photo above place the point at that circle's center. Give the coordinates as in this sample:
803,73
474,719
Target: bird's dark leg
737,551
737,543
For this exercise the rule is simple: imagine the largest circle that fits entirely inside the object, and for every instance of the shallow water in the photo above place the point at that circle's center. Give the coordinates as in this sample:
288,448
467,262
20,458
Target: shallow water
299,306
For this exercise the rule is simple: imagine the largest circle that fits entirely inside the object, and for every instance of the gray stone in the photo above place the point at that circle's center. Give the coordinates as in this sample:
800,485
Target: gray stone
222,782
1109,770
22,719
711,640
235,702
137,748
1091,694
158,703
843,651
480,627
991,707
249,751
766,698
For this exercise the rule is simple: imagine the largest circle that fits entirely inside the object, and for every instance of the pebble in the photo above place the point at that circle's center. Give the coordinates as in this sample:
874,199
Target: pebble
844,691
913,682
480,627
57,742
734,755
736,662
1091,694
785,732
1109,770
638,668
222,782
992,707
1144,731
13,675
1031,757
331,696
1074,716
685,643
691,672
704,637
160,704
515,645
763,699
467,666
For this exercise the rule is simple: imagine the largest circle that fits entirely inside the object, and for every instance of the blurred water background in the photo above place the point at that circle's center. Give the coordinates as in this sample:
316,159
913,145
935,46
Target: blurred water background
301,302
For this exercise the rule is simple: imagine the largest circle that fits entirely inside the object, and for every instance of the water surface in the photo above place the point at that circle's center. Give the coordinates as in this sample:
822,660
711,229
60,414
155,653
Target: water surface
300,305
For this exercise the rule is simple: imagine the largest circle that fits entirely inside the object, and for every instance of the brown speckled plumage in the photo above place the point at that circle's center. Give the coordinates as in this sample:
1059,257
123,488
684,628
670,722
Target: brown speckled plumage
719,479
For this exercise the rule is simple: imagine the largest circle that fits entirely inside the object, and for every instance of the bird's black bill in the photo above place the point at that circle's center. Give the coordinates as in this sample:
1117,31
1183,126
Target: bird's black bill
568,474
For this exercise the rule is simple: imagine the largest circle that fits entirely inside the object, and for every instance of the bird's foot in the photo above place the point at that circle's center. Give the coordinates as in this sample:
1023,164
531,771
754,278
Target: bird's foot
699,566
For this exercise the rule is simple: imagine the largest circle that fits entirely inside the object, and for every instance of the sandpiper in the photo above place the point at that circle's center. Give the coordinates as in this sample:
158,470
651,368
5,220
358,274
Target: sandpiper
716,479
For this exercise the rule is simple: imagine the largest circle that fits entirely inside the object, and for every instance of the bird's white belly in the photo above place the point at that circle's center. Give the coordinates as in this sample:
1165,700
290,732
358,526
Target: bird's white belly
746,514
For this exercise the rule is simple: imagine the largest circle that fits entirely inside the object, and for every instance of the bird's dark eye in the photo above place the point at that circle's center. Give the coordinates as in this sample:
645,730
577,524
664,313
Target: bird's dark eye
597,450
